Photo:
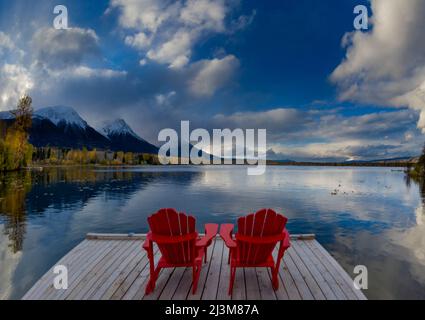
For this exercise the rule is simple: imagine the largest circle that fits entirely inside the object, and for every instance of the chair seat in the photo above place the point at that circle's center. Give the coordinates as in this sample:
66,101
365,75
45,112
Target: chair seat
163,263
269,262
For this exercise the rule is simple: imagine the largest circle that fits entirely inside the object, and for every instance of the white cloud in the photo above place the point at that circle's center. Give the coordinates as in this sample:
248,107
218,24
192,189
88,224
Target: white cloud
213,74
175,52
144,14
166,31
15,80
164,99
276,120
204,14
86,72
5,42
386,65
140,40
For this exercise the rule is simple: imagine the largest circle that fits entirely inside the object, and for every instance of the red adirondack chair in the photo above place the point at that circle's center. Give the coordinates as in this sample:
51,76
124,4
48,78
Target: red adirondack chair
255,241
178,242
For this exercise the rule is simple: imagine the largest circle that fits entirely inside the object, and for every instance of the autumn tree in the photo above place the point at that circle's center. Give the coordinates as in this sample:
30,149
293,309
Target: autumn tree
15,150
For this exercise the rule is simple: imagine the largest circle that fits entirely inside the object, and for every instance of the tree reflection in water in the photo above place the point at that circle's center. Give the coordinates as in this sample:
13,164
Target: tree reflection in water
14,187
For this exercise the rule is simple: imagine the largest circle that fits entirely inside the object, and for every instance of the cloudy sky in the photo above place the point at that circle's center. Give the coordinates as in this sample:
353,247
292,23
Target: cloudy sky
323,90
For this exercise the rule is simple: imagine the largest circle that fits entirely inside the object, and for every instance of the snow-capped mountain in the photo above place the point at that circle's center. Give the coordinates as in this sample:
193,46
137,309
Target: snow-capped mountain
116,127
63,127
61,115
123,138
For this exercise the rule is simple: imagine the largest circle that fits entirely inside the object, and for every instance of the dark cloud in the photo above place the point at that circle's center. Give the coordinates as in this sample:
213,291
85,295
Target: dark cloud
63,48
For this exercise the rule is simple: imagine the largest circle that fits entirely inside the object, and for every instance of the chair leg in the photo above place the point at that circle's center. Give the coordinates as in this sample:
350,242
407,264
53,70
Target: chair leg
232,279
275,279
150,287
196,271
205,254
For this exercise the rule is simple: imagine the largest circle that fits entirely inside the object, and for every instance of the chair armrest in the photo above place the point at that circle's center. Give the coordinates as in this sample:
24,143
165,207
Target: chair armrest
211,230
147,245
287,239
226,231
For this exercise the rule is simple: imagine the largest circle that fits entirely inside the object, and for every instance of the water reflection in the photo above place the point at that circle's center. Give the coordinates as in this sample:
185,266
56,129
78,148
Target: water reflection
13,191
368,216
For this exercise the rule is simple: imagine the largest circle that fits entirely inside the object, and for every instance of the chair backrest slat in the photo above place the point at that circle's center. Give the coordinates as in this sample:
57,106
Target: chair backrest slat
168,222
263,223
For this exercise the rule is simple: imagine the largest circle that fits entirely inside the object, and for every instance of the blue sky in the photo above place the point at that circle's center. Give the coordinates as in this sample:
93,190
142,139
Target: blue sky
323,90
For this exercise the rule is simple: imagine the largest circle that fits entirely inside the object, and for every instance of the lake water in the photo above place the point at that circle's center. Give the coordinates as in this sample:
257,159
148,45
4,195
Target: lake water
363,216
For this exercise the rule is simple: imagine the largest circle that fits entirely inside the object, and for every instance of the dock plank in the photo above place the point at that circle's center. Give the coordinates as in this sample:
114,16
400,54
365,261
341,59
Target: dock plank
299,279
360,295
211,284
287,280
136,291
346,288
239,289
170,289
131,277
316,274
251,282
120,273
76,268
88,279
223,284
265,284
281,293
47,279
308,277
323,271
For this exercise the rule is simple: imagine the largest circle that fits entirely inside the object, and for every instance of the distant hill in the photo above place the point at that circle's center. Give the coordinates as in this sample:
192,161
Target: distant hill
397,162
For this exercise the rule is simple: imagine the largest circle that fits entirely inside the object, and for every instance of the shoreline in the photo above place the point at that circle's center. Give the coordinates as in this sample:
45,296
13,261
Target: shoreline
41,167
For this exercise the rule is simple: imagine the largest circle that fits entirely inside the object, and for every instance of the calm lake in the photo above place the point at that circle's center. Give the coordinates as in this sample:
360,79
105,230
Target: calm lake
362,216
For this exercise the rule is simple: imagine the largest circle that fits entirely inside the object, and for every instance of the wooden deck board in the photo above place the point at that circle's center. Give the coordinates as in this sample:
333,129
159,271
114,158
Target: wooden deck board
129,280
239,289
306,274
315,273
340,270
211,285
76,268
251,282
136,290
95,270
298,278
346,288
46,280
108,267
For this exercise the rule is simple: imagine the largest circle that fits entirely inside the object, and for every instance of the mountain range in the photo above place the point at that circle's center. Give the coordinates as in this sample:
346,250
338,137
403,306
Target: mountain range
63,127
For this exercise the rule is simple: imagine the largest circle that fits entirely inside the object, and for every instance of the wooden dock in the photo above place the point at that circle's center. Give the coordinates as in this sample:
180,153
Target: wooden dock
115,267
